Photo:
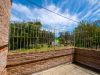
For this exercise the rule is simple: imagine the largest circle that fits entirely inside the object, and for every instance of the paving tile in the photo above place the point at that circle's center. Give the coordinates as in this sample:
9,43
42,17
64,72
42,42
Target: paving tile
67,69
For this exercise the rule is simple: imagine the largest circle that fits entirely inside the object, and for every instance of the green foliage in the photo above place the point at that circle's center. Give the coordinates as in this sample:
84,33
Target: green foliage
37,46
66,38
27,35
87,35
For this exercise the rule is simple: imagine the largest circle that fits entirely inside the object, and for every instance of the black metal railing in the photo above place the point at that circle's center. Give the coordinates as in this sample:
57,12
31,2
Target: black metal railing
32,36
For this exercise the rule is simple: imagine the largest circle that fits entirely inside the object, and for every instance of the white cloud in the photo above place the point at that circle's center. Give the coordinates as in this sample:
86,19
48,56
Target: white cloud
22,9
91,10
92,2
46,17
14,18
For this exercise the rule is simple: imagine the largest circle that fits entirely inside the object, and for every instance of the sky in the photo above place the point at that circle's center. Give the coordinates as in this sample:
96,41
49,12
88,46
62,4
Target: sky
77,10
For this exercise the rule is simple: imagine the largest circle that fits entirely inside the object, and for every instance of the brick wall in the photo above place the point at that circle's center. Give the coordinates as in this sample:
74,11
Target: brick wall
28,63
88,57
5,6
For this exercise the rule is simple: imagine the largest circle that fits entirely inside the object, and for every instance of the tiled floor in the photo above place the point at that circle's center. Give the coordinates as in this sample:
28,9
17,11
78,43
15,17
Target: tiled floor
67,69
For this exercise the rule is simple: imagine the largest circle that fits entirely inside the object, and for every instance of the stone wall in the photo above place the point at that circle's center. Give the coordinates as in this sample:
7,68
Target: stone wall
5,6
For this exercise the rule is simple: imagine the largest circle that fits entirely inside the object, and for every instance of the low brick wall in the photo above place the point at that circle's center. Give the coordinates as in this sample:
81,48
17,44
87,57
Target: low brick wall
20,64
24,58
28,69
26,63
88,57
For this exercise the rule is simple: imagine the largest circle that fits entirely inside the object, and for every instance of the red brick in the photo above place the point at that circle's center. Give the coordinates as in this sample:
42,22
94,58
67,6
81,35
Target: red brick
5,6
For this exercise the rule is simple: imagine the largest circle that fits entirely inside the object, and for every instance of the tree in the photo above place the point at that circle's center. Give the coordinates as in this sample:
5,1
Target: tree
28,35
87,35
66,38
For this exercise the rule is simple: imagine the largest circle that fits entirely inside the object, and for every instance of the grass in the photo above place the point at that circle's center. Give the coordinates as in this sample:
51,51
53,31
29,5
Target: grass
42,49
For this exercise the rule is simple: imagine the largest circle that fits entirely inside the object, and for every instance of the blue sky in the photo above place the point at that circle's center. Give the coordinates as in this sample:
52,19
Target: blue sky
78,10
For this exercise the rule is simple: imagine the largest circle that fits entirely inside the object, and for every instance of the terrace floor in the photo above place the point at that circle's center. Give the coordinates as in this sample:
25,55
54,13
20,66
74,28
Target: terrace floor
67,69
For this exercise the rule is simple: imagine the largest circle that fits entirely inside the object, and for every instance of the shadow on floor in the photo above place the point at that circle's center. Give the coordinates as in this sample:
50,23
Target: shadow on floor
87,67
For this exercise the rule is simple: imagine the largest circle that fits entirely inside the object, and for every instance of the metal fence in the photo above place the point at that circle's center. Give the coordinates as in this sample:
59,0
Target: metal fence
25,36
31,36
87,39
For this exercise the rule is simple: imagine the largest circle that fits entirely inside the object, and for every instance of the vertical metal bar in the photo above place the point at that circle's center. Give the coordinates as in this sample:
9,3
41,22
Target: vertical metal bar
96,40
49,39
9,42
21,37
42,38
74,39
13,37
91,40
30,37
36,39
86,40
99,39
92,34
79,40
17,35
27,35
54,38
82,38
24,35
